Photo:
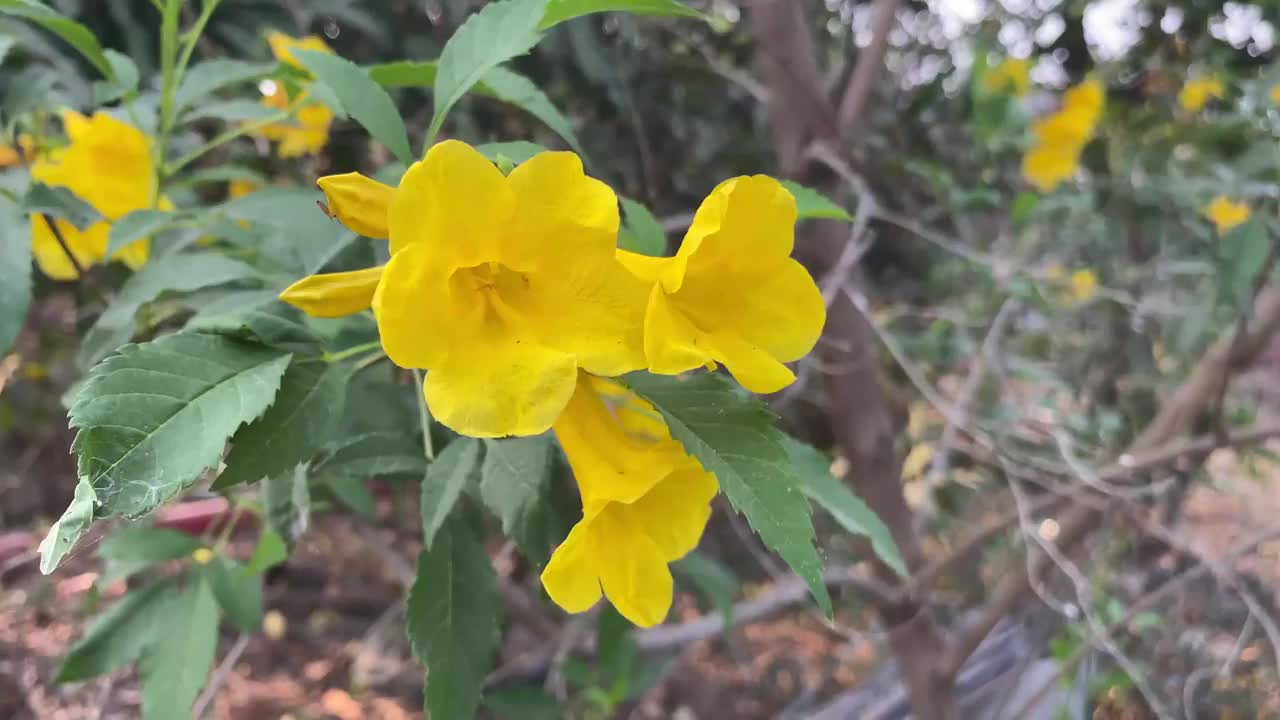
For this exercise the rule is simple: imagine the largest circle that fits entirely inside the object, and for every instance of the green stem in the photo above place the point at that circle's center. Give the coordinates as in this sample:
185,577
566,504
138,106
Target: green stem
192,35
168,88
424,415
226,137
352,351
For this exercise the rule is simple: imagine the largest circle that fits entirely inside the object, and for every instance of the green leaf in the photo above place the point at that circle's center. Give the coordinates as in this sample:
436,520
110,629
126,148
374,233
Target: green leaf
362,98
848,509
287,500
137,225
403,73
456,466
125,83
373,454
211,76
1244,250
514,88
230,111
454,616
1024,206
733,436
238,591
64,533
514,480
15,281
260,317
269,552
176,662
811,204
559,11
171,273
139,547
498,32
713,581
641,231
352,492
522,703
77,35
302,419
518,151
154,417
59,203
117,636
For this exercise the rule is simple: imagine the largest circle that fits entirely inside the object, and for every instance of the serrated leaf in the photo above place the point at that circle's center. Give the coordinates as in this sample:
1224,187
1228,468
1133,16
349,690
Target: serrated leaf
77,35
733,437
171,273
287,500
59,203
64,533
811,204
238,591
117,636
514,480
258,317
304,416
269,552
136,548
454,613
154,417
210,76
446,478
559,11
517,152
176,662
312,237
362,98
15,281
848,509
512,87
641,231
373,454
497,33
135,226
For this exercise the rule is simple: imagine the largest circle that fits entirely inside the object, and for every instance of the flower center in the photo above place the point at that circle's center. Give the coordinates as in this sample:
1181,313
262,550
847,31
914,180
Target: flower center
497,288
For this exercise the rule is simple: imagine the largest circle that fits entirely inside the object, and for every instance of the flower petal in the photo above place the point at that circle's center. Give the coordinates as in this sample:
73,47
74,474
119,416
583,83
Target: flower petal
676,511
361,203
571,578
1046,167
282,46
330,295
746,224
564,216
633,570
418,319
456,202
671,342
498,386
592,309
88,246
753,368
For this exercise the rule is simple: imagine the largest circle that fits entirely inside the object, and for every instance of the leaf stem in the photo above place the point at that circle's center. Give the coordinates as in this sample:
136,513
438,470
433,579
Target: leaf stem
168,65
424,415
352,351
227,137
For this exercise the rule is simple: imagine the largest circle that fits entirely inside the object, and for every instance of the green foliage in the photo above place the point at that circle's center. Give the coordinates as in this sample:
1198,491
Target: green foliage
74,523
116,637
15,282
454,616
515,484
269,552
154,417
77,35
715,582
559,11
1244,250
362,99
59,203
136,226
516,152
203,79
137,548
641,232
455,469
286,498
811,204
733,436
238,590
178,657
124,83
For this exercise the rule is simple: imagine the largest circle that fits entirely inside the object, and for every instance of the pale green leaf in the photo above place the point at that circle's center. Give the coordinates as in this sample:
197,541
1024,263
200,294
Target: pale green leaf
59,203
64,533
176,662
1245,248
712,580
269,552
77,35
641,231
136,548
231,111
137,225
403,73
238,591
156,416
446,478
304,416
362,98
512,87
116,637
522,703
514,481
374,454
559,11
454,614
517,151
498,32
211,76
125,83
811,204
848,509
733,436
15,281
287,500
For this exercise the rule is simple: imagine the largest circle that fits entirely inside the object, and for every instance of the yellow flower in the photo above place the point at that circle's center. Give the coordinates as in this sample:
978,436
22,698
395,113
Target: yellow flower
10,156
1275,94
109,165
1012,76
1083,285
645,503
359,202
307,132
503,286
202,556
240,188
1226,213
1196,93
1089,96
733,294
1047,167
1068,128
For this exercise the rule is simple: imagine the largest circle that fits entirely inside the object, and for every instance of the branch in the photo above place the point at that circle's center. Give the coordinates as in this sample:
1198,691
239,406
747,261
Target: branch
857,94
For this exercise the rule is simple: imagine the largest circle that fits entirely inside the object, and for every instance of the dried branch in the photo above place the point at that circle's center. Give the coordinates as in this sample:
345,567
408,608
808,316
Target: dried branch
857,94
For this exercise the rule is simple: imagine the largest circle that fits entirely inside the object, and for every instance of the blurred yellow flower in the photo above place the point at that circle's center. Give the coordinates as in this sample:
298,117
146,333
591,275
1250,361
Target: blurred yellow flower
1195,94
1011,76
1226,213
1275,94
11,155
645,503
1060,137
109,165
307,132
503,286
240,188
1047,167
733,294
202,556
1083,286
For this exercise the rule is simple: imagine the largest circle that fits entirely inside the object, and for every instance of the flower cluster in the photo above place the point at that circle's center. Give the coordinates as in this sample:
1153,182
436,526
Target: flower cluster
1011,76
307,132
510,291
108,164
1226,213
1061,136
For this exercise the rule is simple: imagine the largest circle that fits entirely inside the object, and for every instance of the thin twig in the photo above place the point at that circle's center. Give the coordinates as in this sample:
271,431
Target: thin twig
220,676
